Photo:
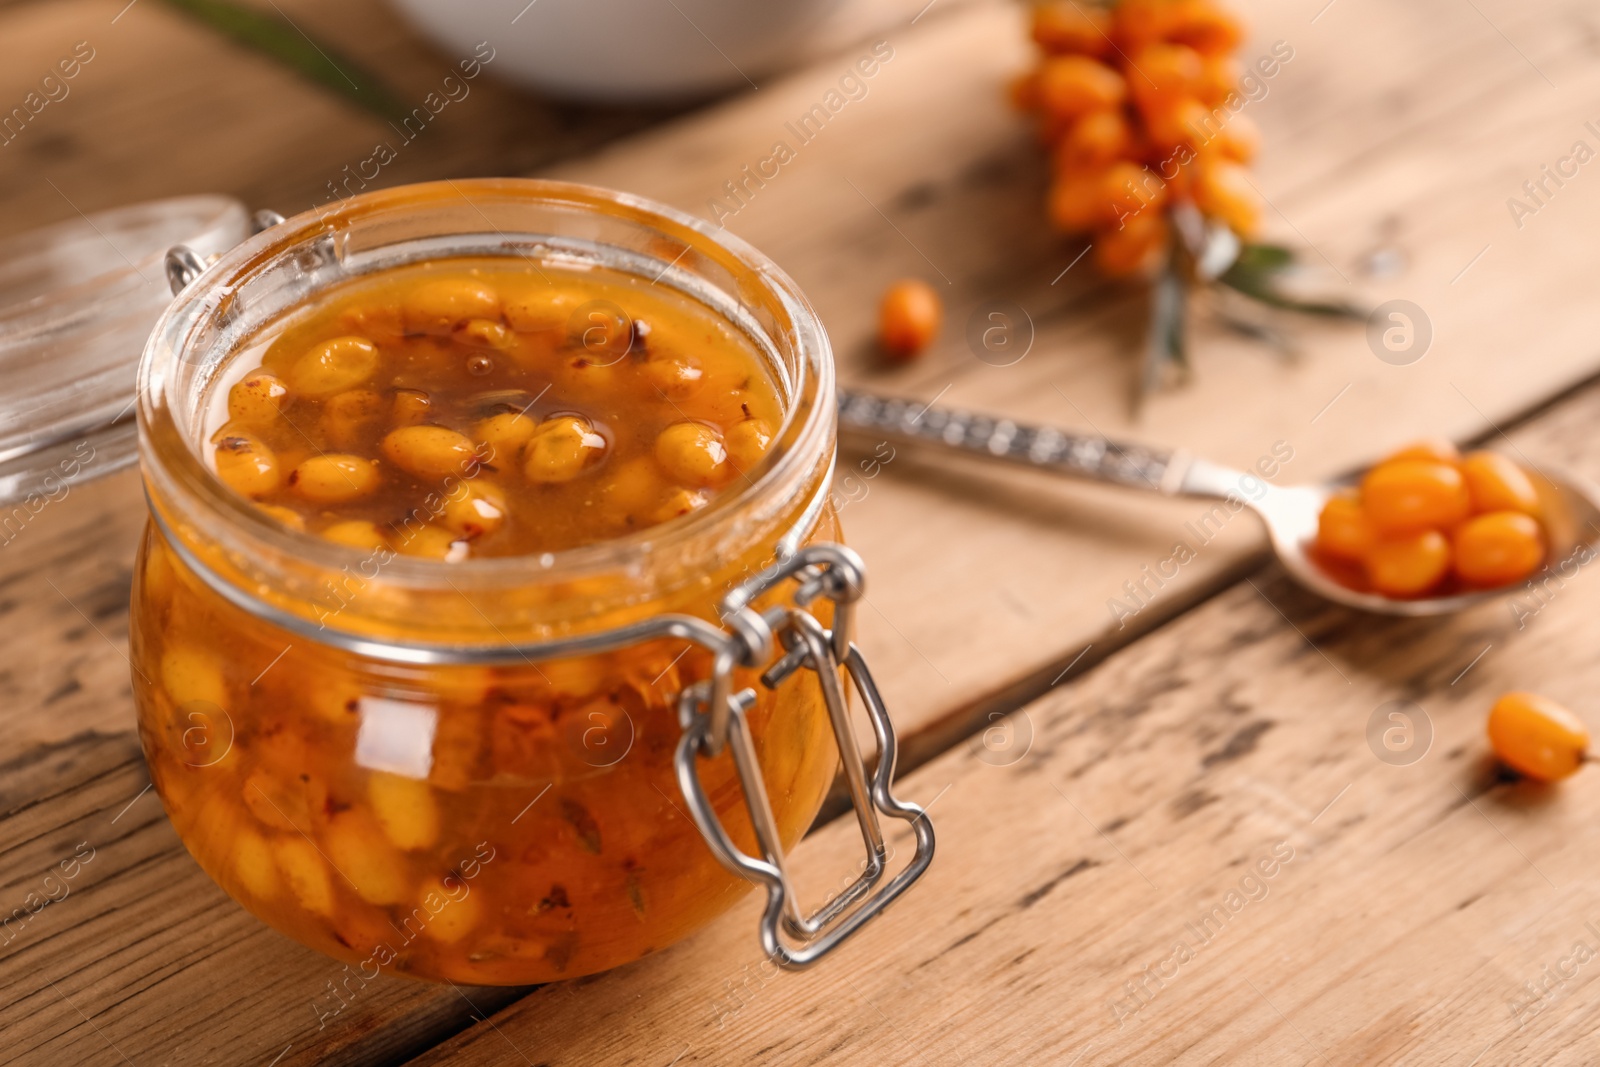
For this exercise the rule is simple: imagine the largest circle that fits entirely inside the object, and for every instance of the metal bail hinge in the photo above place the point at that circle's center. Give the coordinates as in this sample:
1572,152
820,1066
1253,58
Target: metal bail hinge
714,717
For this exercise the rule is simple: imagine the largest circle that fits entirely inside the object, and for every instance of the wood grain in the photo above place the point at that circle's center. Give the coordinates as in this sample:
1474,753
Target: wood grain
1195,749
64,584
169,106
1373,126
1406,902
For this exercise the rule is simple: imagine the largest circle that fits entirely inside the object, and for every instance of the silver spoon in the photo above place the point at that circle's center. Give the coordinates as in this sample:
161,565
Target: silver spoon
1570,507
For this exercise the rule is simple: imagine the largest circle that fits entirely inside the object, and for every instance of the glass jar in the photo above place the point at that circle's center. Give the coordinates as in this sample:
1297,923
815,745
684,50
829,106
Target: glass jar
503,770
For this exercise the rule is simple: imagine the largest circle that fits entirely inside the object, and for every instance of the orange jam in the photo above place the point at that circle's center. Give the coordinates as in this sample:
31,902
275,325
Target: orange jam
476,408
503,824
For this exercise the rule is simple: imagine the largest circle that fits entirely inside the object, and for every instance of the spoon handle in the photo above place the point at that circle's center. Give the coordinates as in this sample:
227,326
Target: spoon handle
1175,473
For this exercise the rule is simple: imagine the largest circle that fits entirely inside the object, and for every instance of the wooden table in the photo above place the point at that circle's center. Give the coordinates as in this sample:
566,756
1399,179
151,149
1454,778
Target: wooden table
1199,775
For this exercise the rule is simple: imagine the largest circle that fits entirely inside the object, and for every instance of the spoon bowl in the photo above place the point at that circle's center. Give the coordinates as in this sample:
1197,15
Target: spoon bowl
1569,509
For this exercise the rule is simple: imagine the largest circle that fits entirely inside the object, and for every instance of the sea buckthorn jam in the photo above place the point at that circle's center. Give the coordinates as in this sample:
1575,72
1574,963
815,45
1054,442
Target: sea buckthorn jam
483,824
475,409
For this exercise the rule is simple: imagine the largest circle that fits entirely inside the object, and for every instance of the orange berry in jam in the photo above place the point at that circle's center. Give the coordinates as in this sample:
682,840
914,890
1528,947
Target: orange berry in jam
1496,483
246,465
1408,565
1537,736
1412,494
1498,548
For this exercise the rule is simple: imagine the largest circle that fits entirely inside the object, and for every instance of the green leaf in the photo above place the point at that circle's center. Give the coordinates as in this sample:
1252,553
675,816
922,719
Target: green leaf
1257,257
1255,273
1336,309
277,37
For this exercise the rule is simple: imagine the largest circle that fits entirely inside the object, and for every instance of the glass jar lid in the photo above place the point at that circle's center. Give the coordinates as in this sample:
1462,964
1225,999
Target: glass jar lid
77,301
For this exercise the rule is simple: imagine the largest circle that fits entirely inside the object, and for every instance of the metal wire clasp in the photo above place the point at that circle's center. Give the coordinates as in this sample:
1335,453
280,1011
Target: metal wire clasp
713,718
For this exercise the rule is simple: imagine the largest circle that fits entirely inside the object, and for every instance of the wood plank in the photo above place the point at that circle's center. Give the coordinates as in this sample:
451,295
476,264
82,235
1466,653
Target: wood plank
65,571
169,106
1031,561
1375,123
1212,785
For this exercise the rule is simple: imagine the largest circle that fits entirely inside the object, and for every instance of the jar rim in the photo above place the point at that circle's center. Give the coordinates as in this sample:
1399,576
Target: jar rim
178,477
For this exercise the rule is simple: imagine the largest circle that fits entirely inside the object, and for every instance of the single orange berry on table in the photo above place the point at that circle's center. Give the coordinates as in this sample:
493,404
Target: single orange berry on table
1434,448
1408,565
1498,548
1410,494
1223,190
1076,85
1536,736
908,318
1343,529
1066,26
1495,483
1138,245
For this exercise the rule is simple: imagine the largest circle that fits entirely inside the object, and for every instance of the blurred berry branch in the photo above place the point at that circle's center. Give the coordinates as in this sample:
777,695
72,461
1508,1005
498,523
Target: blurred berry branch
277,37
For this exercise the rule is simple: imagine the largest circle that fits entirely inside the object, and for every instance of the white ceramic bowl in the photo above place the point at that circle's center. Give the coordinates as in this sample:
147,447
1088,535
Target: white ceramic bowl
623,50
